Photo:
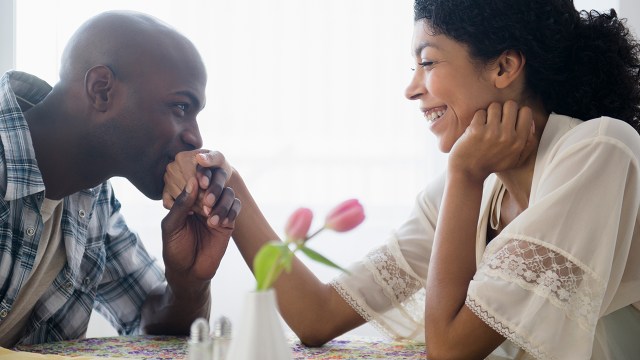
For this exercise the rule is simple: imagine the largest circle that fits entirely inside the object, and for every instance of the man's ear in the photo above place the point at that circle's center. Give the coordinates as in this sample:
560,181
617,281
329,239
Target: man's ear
510,65
99,81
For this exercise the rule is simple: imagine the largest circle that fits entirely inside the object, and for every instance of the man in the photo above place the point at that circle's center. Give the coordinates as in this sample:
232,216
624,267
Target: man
129,91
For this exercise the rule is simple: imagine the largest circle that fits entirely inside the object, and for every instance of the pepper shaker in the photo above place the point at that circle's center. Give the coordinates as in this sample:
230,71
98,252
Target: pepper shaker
221,338
199,341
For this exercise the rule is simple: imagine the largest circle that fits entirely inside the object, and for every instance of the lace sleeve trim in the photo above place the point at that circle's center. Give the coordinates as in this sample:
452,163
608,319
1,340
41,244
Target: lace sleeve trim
550,273
398,281
505,331
404,291
361,310
399,284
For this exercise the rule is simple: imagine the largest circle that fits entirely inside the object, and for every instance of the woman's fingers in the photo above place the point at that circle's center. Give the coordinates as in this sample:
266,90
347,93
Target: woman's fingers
526,129
211,159
498,138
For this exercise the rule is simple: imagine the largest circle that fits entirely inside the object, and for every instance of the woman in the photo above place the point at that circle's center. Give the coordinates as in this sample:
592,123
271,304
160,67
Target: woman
527,247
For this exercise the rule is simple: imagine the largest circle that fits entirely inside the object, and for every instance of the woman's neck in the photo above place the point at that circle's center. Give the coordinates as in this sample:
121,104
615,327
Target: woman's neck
518,180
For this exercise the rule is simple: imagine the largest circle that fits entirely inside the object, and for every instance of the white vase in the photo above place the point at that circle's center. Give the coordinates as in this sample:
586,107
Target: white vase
259,334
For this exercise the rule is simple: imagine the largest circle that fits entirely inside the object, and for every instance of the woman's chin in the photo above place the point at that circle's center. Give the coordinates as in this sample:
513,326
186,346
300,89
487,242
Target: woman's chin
444,146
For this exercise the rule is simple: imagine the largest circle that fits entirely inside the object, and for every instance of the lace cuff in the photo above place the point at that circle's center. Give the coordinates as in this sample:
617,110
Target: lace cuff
506,330
385,291
538,296
552,274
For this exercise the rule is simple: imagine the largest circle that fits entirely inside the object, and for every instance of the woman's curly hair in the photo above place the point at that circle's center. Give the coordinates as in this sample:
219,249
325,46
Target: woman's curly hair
581,64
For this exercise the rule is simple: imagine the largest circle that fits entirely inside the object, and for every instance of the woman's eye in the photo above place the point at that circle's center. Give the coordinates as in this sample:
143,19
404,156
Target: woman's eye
425,64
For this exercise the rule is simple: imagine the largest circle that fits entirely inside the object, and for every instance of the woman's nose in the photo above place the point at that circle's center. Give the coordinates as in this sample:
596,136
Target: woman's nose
416,87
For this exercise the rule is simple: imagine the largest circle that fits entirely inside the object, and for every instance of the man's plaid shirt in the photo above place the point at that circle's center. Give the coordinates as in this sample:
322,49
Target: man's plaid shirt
107,266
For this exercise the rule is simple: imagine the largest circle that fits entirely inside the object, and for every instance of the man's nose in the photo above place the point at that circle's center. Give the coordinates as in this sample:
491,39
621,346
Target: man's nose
191,136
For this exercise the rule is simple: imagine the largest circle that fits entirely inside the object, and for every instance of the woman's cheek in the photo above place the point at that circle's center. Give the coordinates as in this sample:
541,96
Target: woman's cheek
441,87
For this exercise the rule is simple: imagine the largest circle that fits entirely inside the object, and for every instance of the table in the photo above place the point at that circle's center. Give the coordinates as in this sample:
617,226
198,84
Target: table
169,347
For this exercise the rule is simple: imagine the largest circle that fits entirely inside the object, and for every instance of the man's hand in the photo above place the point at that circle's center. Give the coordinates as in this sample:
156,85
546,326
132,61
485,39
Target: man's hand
192,249
211,170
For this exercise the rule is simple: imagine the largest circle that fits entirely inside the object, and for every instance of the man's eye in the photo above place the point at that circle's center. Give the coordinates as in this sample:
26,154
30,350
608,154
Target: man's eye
183,107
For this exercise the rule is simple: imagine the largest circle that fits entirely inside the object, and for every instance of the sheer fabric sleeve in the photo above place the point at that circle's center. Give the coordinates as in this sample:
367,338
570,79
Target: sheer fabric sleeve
387,287
545,281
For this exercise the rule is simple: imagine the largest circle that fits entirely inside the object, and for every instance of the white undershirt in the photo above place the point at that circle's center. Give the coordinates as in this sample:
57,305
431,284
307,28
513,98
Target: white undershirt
50,260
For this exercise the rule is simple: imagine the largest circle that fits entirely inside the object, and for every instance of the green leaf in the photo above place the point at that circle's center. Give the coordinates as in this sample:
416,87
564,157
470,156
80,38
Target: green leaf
265,265
287,258
321,259
269,262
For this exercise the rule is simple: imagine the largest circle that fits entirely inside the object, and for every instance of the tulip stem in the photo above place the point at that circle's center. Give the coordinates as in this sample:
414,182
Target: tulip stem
314,234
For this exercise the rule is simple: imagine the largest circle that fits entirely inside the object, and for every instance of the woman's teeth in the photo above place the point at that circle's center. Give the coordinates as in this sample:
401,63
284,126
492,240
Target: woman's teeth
432,116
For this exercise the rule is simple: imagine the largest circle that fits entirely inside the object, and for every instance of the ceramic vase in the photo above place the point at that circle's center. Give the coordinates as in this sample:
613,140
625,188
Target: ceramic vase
259,334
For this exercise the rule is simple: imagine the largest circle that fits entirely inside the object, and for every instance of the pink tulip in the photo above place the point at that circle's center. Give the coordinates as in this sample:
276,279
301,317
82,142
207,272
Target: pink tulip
345,216
298,224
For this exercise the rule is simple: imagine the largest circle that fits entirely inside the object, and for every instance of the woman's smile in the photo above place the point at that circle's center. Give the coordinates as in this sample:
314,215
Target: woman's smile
433,114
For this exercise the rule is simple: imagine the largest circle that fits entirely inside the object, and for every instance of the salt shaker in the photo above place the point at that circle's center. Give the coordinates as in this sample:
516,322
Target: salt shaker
221,338
199,341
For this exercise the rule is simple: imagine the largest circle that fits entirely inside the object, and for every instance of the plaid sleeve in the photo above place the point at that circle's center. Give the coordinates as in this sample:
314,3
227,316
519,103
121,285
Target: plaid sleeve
130,274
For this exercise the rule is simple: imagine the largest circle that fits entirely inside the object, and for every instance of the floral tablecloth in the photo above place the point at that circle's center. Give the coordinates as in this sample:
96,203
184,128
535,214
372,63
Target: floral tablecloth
168,347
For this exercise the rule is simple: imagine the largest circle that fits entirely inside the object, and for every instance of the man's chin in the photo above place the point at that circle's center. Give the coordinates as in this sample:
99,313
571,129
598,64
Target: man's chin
153,192
154,196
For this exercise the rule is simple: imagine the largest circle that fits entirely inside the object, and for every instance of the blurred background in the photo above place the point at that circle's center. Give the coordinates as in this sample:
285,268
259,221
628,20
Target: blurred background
305,98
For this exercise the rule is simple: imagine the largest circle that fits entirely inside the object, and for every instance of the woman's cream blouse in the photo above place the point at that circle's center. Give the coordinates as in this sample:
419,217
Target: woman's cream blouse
560,281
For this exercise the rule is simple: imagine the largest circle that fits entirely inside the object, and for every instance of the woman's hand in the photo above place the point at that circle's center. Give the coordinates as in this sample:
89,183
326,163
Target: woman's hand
211,171
497,139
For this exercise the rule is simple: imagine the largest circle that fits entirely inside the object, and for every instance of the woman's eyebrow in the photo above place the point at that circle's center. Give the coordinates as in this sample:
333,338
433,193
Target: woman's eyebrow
424,45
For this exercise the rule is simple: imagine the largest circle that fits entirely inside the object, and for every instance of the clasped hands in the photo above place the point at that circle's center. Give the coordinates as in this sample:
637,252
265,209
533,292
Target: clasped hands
210,170
203,209
202,214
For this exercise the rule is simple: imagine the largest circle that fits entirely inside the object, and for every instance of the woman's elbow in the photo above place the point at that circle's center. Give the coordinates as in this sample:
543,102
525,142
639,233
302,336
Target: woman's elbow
313,338
439,347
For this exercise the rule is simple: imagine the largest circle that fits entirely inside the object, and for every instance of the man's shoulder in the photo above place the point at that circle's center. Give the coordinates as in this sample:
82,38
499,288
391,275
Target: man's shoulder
28,89
101,198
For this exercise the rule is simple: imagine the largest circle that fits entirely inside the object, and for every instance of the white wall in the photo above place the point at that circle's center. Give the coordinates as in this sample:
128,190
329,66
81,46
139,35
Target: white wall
298,90
306,99
631,10
7,35
596,4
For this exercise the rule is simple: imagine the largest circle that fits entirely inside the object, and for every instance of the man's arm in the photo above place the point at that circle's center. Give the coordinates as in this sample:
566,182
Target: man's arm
165,314
192,251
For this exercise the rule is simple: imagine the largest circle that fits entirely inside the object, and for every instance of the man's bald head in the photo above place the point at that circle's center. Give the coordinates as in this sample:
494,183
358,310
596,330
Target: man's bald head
126,42
131,86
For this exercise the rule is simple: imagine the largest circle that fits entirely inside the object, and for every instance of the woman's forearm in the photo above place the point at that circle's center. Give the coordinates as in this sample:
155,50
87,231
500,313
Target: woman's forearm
452,330
313,310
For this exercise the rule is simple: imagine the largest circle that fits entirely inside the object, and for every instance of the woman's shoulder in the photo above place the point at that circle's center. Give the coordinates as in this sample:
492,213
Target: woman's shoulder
603,130
431,196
